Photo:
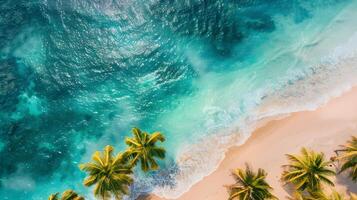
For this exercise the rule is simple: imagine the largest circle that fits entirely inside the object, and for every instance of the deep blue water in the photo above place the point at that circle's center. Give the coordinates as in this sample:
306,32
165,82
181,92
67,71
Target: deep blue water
76,75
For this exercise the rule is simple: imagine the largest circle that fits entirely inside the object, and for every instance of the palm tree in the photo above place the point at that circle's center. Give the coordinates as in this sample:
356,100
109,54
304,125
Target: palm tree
316,195
319,195
250,185
299,195
349,158
110,174
307,171
142,147
66,195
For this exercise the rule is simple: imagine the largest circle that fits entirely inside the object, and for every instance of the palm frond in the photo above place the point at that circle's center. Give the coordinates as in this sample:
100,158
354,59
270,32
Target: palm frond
142,148
53,197
66,195
110,174
308,170
156,136
250,185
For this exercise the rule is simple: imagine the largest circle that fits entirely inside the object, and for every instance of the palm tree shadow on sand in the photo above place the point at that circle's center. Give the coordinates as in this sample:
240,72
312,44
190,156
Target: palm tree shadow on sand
288,188
160,178
346,158
345,180
144,197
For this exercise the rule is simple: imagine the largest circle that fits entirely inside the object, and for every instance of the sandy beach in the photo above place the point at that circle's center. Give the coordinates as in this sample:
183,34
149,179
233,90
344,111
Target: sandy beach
321,130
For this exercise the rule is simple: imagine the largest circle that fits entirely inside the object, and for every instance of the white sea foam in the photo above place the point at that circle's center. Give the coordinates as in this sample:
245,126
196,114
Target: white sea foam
307,89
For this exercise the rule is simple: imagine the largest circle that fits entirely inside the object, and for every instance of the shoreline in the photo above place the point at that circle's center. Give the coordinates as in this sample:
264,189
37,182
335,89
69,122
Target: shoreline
323,129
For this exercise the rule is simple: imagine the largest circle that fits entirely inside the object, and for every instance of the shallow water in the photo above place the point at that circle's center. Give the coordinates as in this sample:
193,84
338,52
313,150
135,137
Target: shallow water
76,75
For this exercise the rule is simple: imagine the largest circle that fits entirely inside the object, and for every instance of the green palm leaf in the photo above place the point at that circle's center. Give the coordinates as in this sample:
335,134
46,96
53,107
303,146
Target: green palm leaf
66,195
250,185
110,174
307,171
142,148
53,197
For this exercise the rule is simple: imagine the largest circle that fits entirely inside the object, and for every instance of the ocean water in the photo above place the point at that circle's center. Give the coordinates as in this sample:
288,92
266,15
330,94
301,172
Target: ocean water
76,75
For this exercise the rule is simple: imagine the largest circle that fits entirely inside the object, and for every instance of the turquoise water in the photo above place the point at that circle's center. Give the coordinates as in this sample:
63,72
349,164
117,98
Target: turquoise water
76,75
